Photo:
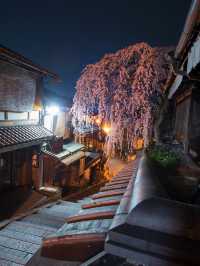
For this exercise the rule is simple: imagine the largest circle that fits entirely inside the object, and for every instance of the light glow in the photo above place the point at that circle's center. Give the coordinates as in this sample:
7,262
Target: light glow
98,121
106,129
132,157
48,122
52,110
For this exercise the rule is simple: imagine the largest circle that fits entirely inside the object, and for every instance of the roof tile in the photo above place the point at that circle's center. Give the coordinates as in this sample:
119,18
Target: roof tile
22,134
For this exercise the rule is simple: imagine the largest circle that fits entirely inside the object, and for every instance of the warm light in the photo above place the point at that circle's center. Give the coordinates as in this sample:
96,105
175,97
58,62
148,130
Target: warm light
98,121
37,107
132,157
52,110
106,129
139,144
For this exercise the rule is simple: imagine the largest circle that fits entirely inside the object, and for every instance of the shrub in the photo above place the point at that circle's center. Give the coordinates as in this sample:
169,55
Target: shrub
163,157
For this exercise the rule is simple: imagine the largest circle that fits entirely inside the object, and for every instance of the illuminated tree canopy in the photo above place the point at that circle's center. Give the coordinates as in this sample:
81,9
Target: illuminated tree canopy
124,90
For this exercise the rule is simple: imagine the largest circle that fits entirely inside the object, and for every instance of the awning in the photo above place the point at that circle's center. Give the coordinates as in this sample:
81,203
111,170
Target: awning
73,147
175,86
72,158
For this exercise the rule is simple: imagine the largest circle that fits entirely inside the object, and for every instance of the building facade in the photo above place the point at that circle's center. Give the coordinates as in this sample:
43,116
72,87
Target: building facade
184,90
21,131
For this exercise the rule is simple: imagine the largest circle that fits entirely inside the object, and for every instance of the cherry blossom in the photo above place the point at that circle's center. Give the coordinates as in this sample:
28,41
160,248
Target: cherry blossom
123,90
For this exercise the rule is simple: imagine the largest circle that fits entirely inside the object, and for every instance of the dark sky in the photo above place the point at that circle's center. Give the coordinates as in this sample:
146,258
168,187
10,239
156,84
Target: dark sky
65,35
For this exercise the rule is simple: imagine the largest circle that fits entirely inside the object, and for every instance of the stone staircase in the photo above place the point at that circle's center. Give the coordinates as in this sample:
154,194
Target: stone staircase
63,233
21,239
84,233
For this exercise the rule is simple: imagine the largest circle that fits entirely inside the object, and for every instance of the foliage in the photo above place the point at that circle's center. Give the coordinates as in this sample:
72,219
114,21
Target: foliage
123,90
163,156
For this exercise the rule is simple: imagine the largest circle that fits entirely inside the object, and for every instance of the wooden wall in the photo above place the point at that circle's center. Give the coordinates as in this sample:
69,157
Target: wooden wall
17,88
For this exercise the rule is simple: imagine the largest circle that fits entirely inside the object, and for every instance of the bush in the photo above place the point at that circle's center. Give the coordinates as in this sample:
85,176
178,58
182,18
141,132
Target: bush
163,157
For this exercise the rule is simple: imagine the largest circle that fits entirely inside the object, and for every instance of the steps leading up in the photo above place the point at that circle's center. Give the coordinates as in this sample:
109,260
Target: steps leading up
21,239
46,232
83,235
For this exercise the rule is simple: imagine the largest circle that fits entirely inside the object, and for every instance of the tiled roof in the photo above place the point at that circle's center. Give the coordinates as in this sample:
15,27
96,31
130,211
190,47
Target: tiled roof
22,134
18,59
68,150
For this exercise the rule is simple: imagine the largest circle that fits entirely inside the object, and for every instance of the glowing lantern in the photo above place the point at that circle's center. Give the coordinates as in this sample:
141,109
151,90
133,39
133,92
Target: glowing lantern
139,144
131,157
98,121
106,129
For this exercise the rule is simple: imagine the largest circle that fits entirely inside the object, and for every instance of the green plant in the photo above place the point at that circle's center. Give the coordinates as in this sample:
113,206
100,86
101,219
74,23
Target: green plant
163,157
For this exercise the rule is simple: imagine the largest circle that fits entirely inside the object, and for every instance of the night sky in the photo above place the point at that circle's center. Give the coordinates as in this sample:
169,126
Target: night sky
65,36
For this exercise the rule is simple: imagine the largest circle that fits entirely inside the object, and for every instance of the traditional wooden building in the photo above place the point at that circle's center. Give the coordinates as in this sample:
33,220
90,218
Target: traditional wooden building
184,92
91,136
57,117
21,131
71,167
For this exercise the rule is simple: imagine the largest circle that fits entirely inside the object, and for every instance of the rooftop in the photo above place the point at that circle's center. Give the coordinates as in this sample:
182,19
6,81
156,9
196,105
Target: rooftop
15,58
22,135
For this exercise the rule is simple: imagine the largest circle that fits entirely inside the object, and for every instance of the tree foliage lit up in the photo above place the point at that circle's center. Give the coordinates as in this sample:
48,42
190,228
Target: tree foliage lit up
123,90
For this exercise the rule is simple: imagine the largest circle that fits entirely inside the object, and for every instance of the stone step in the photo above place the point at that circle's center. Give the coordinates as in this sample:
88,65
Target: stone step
83,227
21,236
108,194
65,207
8,263
91,216
85,200
114,187
15,256
98,209
66,203
58,215
45,220
61,211
116,197
112,183
18,244
96,204
28,228
50,215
